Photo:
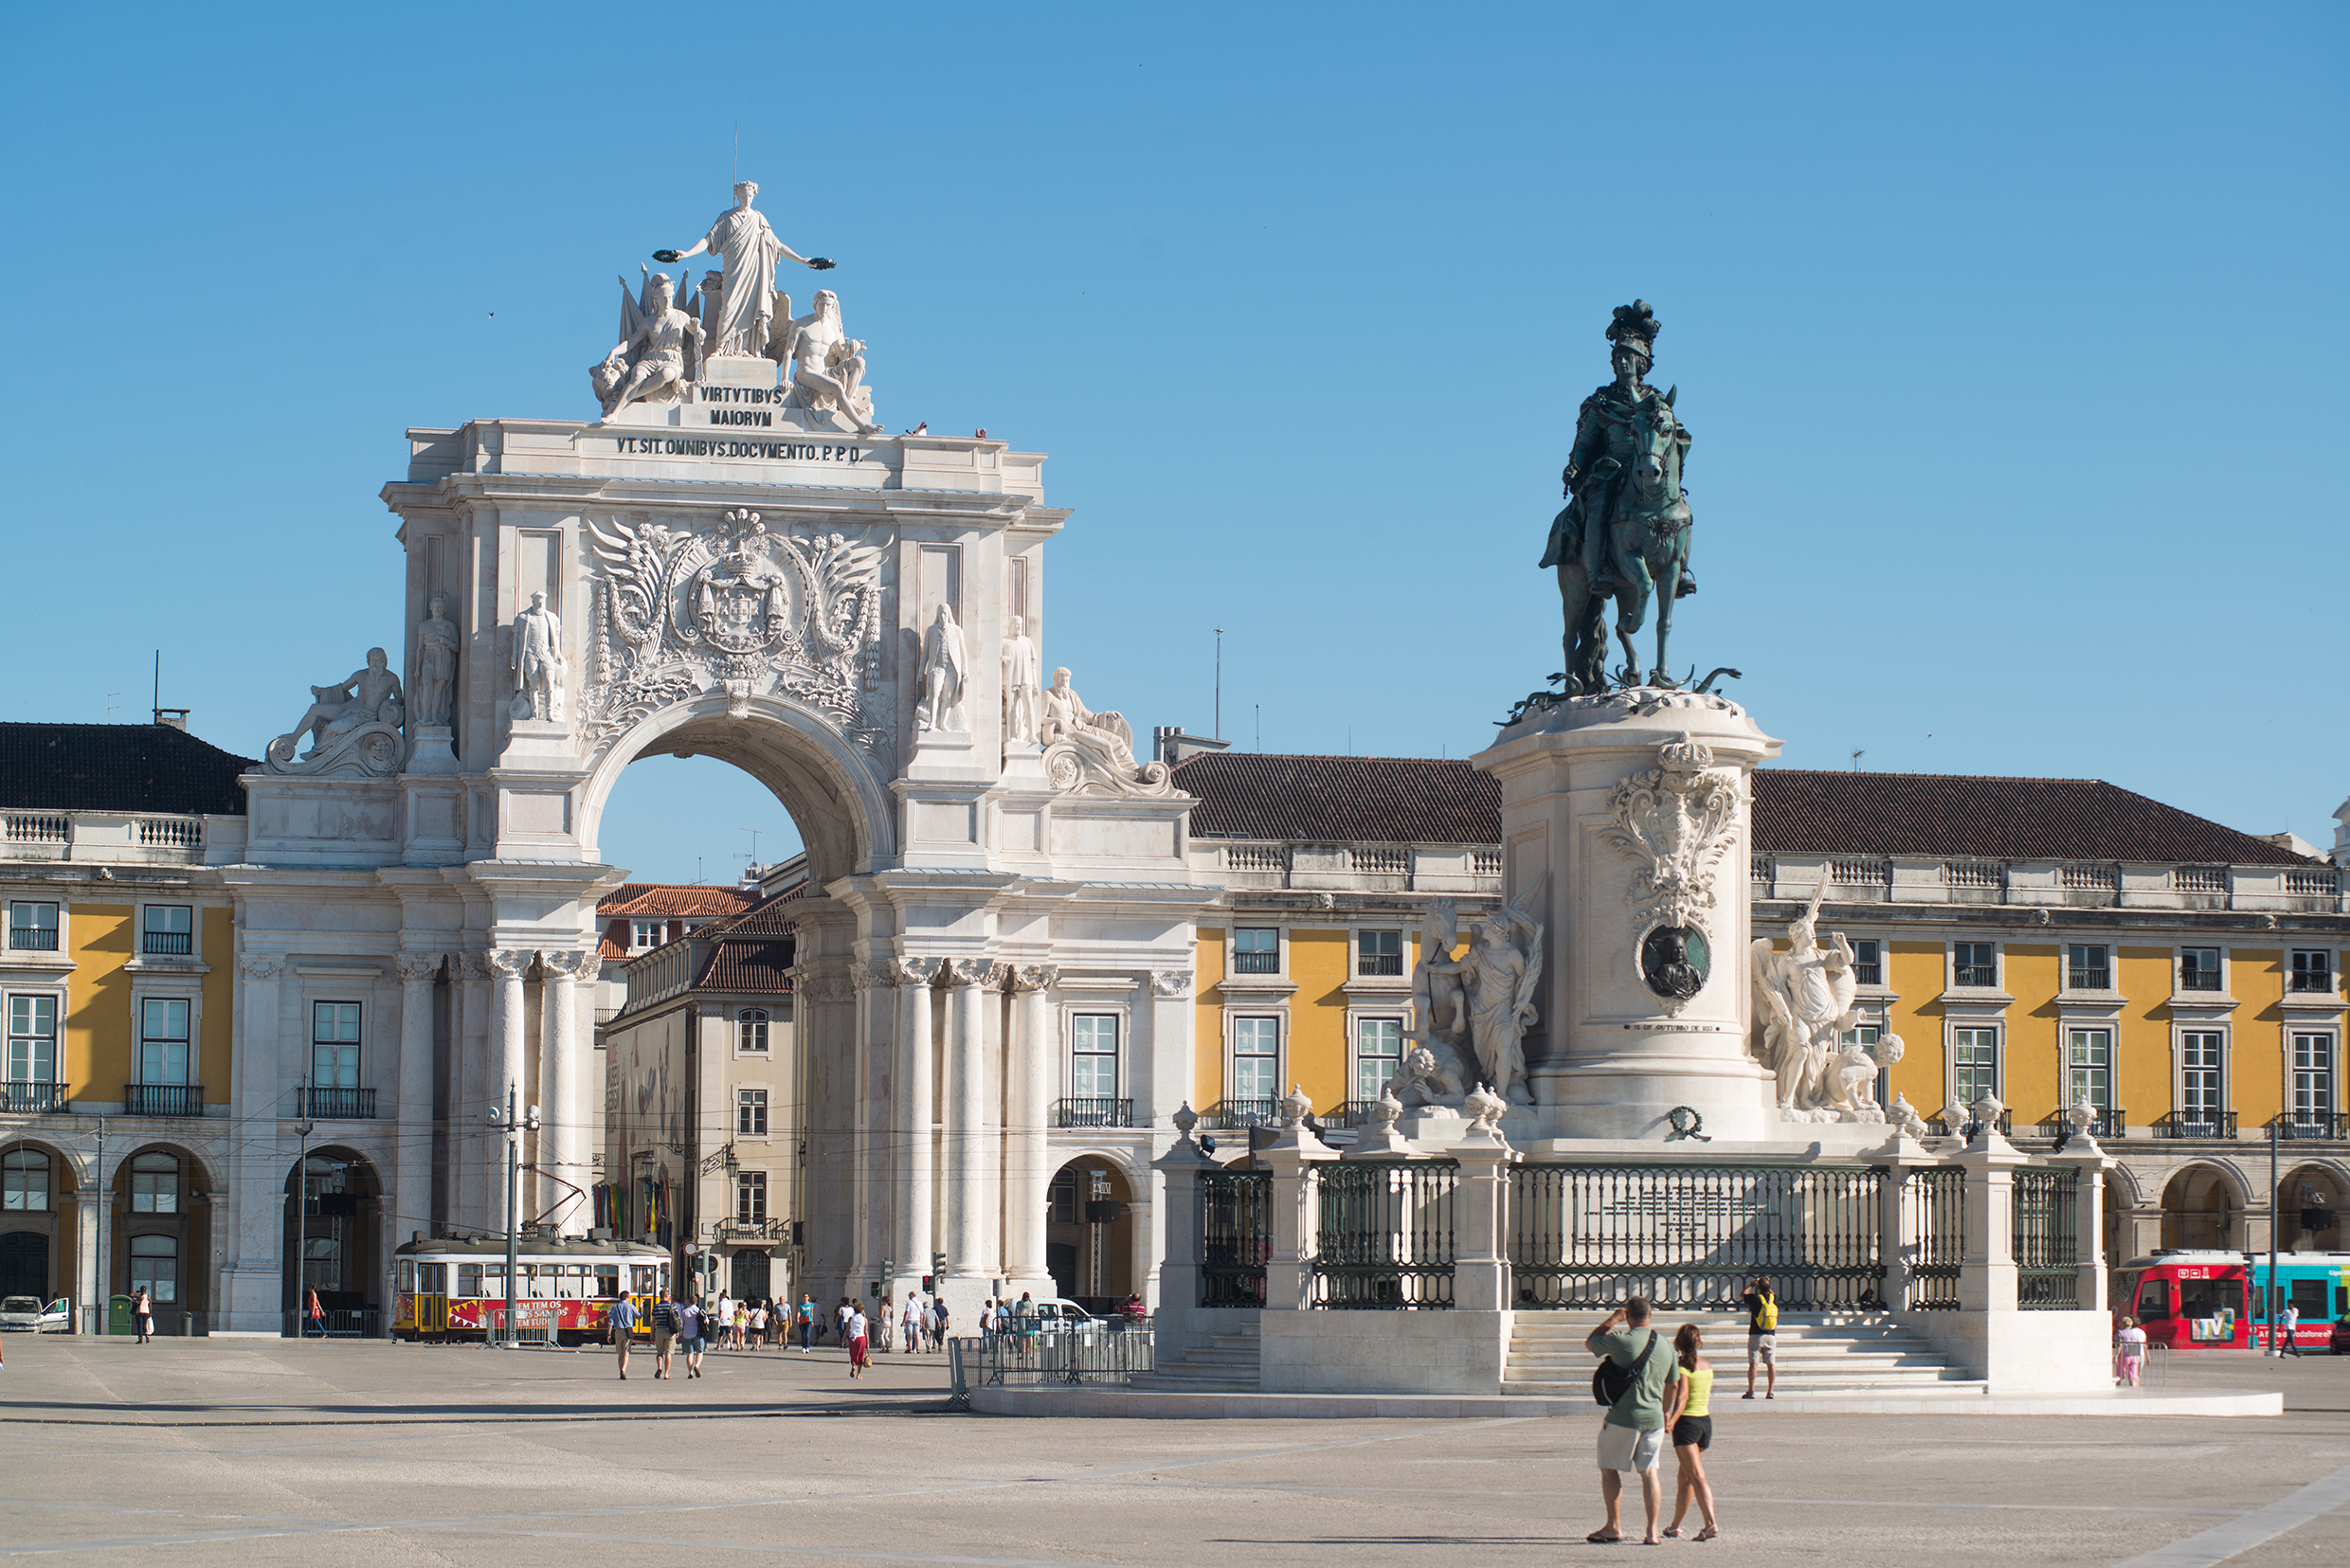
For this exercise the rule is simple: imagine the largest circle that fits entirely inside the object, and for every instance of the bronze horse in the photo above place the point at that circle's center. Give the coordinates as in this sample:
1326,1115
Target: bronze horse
1645,552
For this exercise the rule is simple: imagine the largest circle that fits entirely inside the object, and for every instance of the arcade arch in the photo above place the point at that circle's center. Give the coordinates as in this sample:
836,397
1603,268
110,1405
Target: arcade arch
162,1199
40,1252
2310,1201
2203,1207
1091,1226
334,1233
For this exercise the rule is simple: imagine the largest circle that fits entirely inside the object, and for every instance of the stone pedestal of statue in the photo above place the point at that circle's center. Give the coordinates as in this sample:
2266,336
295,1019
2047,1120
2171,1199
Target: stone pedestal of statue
1632,810
434,750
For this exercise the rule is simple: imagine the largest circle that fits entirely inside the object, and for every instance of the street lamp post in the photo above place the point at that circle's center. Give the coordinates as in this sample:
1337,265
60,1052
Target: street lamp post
514,1126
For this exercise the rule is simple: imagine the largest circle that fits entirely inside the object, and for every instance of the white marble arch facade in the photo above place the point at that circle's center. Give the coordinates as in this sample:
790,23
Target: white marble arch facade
959,890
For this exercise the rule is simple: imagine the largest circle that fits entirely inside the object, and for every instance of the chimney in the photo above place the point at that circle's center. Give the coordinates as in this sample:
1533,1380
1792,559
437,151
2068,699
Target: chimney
175,717
1169,745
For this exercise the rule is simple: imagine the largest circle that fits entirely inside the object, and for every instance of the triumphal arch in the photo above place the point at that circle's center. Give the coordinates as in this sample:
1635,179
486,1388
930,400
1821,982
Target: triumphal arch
732,561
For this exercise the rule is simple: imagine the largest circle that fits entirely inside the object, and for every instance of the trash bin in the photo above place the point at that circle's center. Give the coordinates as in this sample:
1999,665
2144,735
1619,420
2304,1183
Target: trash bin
119,1315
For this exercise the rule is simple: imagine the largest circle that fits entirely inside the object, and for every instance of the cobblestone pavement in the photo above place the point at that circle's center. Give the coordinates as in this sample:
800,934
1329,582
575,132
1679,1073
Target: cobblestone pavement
250,1452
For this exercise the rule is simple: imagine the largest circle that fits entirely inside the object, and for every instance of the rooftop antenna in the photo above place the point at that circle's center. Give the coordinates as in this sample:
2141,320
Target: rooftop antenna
754,846
1857,756
112,704
1220,683
158,702
737,176
1260,727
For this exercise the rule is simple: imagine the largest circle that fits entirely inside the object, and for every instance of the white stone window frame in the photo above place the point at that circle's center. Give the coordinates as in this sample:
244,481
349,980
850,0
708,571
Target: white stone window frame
2180,1029
2225,995
1113,1006
2064,965
2071,1017
735,1132
735,1023
346,995
1883,985
1980,1016
1280,946
636,934
1279,1013
166,985
35,958
2332,1036
56,992
766,1185
1358,1014
1998,966
1405,945
2333,962
195,930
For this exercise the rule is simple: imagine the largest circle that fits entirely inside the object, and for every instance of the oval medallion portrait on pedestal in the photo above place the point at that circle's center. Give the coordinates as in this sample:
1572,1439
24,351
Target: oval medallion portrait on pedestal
1675,962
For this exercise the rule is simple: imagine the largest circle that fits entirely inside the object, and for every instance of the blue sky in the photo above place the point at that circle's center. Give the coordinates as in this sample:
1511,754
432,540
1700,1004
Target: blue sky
2009,337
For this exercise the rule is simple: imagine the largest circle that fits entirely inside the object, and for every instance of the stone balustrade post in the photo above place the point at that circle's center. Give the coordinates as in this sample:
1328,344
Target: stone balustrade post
1296,1215
1898,1219
2089,1164
1987,1271
1480,1267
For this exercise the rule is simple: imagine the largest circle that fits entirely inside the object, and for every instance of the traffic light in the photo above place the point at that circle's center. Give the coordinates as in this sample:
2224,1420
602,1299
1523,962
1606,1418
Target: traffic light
938,1264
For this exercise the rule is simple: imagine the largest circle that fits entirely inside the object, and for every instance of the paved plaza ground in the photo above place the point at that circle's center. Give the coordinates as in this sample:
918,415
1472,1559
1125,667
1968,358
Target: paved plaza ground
248,1453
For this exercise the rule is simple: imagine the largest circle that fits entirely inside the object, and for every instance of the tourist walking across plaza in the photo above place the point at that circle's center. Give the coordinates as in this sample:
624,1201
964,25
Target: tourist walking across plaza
143,1309
855,1334
622,1321
692,1333
2129,1353
1692,1433
1632,1382
666,1321
2287,1329
808,1322
1762,1305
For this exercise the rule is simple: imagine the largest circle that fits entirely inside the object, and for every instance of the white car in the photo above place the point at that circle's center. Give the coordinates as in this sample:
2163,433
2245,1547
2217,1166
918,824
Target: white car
26,1314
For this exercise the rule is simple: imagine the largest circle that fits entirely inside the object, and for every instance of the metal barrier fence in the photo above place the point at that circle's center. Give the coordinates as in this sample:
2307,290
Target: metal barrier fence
1936,1241
2046,1250
531,1326
1691,1236
366,1324
1090,1355
1238,1238
1386,1233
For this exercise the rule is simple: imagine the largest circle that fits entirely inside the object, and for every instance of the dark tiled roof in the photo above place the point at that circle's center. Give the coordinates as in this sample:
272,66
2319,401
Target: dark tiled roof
1421,799
646,900
117,767
1334,800
1798,812
763,965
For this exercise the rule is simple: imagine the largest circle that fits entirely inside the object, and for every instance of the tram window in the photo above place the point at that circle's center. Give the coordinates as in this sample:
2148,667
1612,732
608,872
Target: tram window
469,1279
433,1278
640,1279
2309,1299
2208,1298
574,1281
493,1280
406,1282
2154,1299
608,1280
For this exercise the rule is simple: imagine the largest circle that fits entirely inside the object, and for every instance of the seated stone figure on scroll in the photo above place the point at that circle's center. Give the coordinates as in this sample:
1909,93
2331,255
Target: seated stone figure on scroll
826,367
1088,750
364,697
649,361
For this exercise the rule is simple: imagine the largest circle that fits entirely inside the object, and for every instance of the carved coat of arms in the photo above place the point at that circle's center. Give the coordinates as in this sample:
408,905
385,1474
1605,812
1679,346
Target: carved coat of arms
753,609
1674,822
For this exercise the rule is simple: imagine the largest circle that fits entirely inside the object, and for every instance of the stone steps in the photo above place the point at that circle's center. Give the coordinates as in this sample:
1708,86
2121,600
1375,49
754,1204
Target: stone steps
1228,1363
1839,1356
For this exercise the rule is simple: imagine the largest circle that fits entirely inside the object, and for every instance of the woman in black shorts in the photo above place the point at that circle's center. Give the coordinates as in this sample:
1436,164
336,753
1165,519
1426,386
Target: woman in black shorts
1692,1435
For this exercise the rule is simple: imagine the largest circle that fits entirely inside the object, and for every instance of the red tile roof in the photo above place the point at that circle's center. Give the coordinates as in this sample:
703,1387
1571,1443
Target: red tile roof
646,900
1427,801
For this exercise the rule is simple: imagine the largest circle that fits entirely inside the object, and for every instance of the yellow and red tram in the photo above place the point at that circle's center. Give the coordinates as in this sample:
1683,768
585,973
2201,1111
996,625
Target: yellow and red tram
454,1288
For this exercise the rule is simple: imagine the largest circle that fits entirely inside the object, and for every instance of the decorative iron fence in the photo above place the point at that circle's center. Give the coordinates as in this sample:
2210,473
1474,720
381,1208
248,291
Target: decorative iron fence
1691,1236
1238,1238
1386,1233
2047,1253
1936,1239
1090,1354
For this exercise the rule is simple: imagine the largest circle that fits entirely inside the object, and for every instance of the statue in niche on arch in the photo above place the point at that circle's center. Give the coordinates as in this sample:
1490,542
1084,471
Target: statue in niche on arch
748,251
946,666
1020,685
352,726
648,364
1498,977
824,365
436,664
537,662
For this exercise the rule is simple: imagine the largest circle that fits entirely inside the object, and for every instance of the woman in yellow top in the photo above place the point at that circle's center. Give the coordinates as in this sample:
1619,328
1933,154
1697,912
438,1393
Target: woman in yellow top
1693,1434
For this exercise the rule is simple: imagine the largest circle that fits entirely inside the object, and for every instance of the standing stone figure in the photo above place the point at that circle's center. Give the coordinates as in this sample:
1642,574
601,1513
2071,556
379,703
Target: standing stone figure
1020,685
945,665
1802,1002
1625,528
435,665
748,249
538,667
1499,975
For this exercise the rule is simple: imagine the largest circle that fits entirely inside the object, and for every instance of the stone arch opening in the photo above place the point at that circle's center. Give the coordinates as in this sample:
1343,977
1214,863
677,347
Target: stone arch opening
846,819
2310,1201
1088,1232
2202,1208
335,1243
40,1205
162,1196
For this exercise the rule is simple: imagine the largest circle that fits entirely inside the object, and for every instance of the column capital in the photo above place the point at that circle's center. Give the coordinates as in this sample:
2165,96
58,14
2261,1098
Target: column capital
879,976
969,971
1033,977
917,971
509,962
1170,982
581,964
260,966
419,966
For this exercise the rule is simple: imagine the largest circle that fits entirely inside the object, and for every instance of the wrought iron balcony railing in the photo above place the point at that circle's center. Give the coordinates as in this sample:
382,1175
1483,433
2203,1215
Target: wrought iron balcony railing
2088,979
2195,1124
1093,1111
2108,1125
2305,1126
1983,975
172,944
1226,1116
163,1099
31,1098
2198,980
338,1105
32,939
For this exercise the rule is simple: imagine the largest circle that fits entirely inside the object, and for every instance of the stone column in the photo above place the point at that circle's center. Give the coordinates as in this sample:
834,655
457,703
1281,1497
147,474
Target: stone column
1987,1271
507,1027
412,1166
251,1283
469,1077
1296,1210
89,1285
917,1113
2089,1164
1028,1168
1480,1272
967,1120
563,1135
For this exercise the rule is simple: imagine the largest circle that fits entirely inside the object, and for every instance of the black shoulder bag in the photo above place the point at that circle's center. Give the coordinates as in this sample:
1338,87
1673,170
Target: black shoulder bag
1611,1382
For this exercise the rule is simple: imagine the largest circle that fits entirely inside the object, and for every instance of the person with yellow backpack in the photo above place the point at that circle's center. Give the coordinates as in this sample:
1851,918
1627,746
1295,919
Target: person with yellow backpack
1761,1307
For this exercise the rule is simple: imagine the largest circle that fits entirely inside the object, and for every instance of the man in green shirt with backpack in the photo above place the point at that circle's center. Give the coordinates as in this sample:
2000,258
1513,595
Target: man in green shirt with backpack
1635,1369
